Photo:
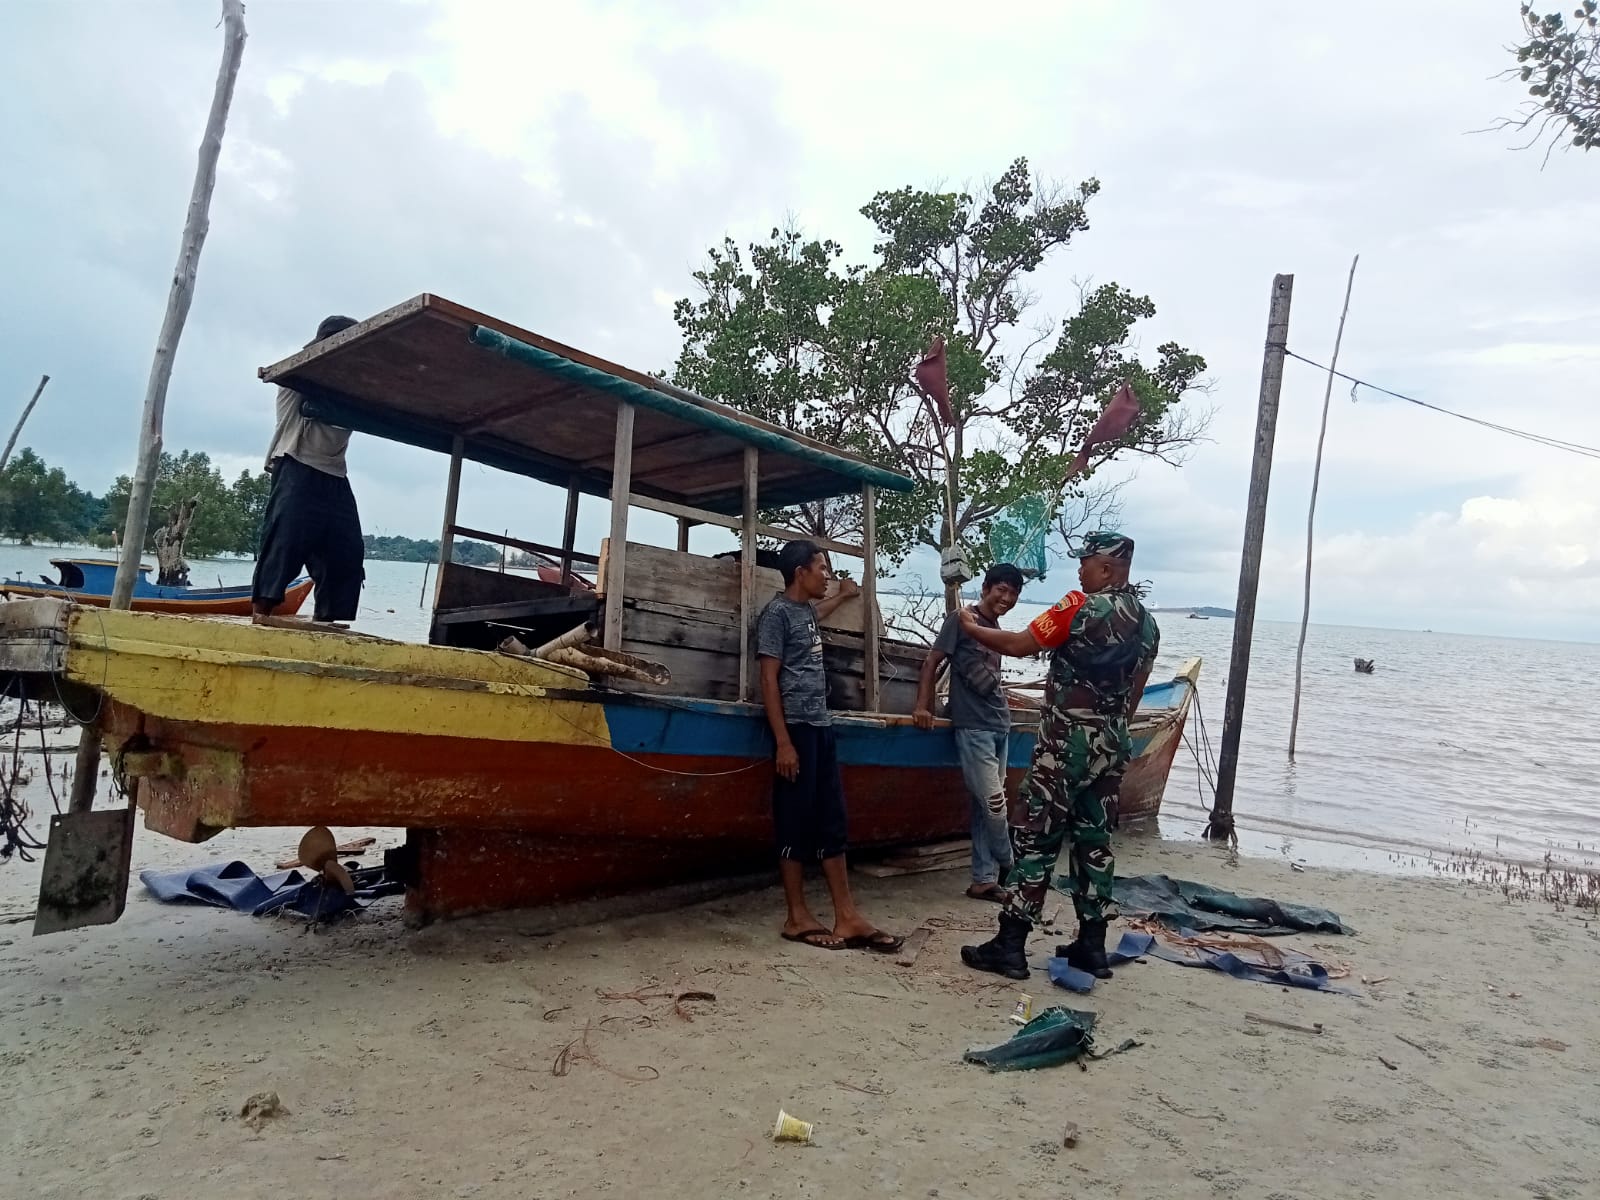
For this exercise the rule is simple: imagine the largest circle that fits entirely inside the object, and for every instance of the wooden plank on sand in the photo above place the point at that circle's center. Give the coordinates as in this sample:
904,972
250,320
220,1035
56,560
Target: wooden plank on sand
934,849
885,871
913,947
943,863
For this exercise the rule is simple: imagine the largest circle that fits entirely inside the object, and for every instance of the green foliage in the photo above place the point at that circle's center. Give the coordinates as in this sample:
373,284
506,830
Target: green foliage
1560,64
227,519
389,548
39,501
249,499
787,330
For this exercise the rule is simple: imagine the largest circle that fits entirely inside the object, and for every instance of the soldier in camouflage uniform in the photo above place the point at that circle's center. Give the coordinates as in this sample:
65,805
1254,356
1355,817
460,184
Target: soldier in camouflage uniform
1103,643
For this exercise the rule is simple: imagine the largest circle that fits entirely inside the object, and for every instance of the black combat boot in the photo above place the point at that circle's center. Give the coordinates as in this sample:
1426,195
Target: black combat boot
1006,953
1088,952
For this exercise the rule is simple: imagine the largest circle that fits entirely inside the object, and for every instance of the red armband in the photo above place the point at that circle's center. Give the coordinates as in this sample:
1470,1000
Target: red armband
1050,628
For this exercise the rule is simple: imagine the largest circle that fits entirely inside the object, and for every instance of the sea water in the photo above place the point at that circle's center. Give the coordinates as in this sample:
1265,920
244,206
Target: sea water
1454,744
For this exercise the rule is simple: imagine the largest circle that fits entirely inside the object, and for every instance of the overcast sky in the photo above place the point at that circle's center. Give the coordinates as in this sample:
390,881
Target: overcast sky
566,166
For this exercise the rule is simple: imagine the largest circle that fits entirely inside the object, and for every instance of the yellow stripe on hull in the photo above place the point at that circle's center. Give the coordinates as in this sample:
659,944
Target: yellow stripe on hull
232,673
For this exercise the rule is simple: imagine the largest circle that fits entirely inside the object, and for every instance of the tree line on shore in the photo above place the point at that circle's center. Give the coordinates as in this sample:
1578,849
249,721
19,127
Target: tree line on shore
39,503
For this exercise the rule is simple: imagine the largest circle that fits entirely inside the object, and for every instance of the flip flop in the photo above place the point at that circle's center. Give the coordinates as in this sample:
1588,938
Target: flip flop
808,937
883,943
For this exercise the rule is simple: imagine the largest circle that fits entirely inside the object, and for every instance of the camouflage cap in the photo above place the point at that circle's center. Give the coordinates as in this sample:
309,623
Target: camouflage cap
1105,543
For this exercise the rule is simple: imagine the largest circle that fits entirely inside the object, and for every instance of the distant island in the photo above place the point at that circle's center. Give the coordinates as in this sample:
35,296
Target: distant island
404,549
1201,611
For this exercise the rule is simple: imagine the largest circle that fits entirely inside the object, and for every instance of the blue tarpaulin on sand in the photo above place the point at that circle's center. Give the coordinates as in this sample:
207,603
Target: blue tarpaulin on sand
1284,967
234,885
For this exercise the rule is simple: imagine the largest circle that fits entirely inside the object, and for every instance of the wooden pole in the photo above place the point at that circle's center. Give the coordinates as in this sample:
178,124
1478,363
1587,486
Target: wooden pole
952,487
1311,511
1220,826
422,596
747,573
569,531
452,502
617,547
869,595
195,227
23,420
684,525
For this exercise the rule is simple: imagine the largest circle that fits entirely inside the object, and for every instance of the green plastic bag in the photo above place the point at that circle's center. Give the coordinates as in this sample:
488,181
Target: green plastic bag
1057,1035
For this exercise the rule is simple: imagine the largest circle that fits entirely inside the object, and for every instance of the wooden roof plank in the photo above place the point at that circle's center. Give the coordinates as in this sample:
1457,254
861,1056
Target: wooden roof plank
429,370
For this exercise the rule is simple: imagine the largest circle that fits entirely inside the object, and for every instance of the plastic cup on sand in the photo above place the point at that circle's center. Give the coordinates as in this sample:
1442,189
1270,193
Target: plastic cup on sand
790,1129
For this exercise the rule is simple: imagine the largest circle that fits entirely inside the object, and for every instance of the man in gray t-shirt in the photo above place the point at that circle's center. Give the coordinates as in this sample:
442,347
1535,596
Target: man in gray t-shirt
981,721
788,631
808,792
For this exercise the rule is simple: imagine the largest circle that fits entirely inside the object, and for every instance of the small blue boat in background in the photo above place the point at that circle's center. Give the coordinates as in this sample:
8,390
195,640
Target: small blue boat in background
89,581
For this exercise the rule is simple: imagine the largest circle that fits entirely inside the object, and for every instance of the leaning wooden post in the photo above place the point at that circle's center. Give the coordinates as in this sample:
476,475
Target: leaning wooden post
178,299
617,546
569,531
27,411
1220,826
452,502
1311,511
747,573
869,595
195,227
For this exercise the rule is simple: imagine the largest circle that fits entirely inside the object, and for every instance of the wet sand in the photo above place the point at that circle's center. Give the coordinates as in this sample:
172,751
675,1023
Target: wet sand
421,1064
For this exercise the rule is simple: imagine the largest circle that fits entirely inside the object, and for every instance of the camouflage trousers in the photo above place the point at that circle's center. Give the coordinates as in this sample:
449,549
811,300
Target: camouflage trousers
1069,797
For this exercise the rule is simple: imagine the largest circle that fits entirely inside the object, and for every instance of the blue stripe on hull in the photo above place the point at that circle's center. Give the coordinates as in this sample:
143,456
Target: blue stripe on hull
724,730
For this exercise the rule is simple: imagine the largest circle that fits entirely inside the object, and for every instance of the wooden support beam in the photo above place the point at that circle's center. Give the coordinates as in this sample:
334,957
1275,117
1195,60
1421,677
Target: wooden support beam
704,516
617,551
684,525
452,498
569,530
501,539
685,512
516,610
869,594
747,574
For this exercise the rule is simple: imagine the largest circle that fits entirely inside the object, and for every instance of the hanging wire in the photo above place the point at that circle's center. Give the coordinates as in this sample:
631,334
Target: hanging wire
1537,438
1198,744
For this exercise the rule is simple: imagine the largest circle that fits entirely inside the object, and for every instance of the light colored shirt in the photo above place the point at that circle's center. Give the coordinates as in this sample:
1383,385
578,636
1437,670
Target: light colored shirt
315,444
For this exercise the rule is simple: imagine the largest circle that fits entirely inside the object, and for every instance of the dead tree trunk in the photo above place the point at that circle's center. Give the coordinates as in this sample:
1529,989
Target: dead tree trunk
171,568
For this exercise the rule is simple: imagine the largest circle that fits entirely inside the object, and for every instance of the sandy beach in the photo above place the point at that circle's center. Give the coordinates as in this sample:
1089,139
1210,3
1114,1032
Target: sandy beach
415,1064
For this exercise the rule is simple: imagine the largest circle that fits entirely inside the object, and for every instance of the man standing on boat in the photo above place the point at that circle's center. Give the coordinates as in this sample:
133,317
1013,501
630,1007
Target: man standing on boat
311,519
982,725
1103,643
808,794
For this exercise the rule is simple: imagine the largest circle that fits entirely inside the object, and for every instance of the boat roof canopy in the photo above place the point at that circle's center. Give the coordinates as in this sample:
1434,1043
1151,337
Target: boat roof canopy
428,371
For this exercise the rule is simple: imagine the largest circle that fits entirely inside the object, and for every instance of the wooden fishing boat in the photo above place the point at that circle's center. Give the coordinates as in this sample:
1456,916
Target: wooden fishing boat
89,581
522,780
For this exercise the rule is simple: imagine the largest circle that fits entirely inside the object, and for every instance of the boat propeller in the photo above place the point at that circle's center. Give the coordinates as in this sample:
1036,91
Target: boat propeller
319,852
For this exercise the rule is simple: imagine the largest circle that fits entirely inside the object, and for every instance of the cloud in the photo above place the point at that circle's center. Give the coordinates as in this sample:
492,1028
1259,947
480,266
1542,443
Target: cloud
566,167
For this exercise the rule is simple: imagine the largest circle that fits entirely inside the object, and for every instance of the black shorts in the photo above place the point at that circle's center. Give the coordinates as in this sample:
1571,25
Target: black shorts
809,813
311,522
